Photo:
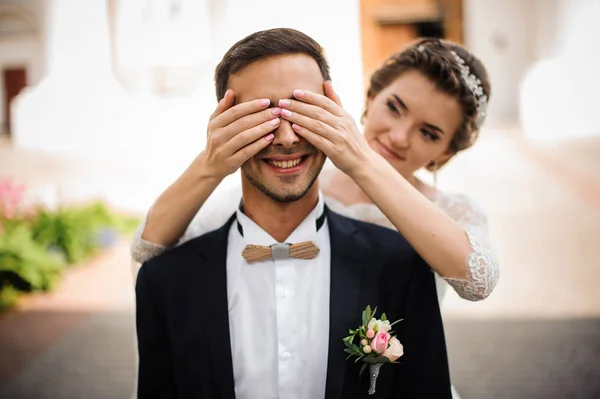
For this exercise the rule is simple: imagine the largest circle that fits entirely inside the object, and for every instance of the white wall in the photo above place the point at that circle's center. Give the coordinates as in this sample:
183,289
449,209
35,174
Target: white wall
559,95
502,35
79,110
547,35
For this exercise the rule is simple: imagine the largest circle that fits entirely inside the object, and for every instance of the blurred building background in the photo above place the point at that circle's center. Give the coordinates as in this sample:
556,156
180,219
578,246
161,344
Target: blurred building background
132,80
110,99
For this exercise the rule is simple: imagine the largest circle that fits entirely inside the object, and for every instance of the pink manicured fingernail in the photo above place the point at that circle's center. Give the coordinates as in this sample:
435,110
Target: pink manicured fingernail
264,102
269,137
276,111
298,93
286,112
296,127
275,121
284,103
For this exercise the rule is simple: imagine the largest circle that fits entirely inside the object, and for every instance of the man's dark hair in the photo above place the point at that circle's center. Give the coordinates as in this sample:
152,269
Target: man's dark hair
263,44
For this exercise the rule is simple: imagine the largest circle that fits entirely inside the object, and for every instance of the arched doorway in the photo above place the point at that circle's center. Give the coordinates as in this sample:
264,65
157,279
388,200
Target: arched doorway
18,45
389,25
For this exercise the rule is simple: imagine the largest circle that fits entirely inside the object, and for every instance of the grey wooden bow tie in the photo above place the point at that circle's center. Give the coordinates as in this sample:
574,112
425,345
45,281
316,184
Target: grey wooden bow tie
302,250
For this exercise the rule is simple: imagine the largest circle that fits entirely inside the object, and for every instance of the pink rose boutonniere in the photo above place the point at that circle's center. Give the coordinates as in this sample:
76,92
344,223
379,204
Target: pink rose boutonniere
376,345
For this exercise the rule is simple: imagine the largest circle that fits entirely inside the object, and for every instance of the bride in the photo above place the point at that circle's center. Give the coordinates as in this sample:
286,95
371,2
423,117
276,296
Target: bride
424,105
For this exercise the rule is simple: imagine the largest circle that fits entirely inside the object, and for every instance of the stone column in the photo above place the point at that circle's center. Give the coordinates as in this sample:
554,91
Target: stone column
559,94
77,106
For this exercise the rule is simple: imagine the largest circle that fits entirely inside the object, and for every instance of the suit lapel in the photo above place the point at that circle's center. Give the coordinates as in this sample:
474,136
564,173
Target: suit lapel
216,313
347,263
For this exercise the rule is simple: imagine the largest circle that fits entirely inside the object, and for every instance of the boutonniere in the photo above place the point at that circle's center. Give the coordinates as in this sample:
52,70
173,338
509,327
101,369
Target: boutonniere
376,345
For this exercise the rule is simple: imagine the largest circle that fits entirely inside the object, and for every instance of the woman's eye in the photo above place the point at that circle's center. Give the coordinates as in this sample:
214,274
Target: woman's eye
430,135
392,107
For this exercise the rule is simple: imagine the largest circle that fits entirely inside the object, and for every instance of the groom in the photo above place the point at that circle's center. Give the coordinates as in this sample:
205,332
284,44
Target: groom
215,322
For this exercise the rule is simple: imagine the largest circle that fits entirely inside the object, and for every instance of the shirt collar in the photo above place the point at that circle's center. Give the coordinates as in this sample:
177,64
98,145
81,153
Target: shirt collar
306,231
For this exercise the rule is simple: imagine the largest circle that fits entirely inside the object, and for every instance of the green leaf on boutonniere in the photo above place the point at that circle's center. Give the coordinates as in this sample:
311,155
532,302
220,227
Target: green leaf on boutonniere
383,317
395,322
352,353
362,369
353,347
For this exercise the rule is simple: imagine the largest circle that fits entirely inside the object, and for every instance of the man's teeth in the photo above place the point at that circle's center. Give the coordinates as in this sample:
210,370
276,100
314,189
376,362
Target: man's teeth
285,164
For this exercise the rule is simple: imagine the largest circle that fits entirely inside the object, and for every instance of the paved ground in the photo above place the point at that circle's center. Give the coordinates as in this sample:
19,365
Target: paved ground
537,336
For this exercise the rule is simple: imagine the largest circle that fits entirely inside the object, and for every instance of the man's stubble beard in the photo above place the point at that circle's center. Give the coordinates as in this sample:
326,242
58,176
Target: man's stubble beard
282,198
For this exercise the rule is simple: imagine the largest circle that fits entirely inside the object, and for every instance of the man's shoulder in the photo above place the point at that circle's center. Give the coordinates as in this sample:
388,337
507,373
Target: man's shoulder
373,234
173,263
385,250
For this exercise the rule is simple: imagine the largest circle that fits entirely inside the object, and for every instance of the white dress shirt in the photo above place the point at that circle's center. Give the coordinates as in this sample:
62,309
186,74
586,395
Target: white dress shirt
279,314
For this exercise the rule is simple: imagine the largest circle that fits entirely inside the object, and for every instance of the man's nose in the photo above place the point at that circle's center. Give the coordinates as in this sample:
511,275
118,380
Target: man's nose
285,135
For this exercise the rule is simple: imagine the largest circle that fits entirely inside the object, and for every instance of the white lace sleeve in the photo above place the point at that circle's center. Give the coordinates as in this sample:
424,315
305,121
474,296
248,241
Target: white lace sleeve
215,212
481,263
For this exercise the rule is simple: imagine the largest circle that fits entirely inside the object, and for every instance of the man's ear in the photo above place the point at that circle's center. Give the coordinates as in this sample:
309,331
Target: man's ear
368,106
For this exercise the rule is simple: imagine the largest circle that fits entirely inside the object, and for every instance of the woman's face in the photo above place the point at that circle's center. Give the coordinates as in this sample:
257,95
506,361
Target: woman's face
411,123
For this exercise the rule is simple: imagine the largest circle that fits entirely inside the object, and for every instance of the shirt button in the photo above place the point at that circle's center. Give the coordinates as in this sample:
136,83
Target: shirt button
283,293
286,355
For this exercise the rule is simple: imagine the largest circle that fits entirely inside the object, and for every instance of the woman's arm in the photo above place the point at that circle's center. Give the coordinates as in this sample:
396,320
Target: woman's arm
235,133
482,264
213,213
439,239
175,208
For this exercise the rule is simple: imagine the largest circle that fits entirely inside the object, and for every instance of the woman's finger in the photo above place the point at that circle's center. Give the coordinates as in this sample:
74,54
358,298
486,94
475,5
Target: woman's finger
344,158
249,136
247,122
312,111
319,100
238,111
314,125
331,94
252,149
224,104
315,139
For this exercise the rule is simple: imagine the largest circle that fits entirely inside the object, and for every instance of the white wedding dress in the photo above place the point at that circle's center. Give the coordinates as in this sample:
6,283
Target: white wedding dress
481,265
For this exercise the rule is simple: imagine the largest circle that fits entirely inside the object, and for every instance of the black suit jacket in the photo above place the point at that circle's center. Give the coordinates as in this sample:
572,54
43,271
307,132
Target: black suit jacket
183,325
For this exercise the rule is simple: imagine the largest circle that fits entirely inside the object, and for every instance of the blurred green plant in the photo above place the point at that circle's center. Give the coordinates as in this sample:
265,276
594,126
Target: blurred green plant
38,244
78,232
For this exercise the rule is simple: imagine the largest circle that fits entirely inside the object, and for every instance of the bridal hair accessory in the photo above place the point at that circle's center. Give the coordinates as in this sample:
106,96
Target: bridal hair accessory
377,345
474,85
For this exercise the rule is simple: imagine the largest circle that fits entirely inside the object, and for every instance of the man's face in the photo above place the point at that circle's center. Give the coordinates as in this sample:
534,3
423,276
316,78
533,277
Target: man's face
288,167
